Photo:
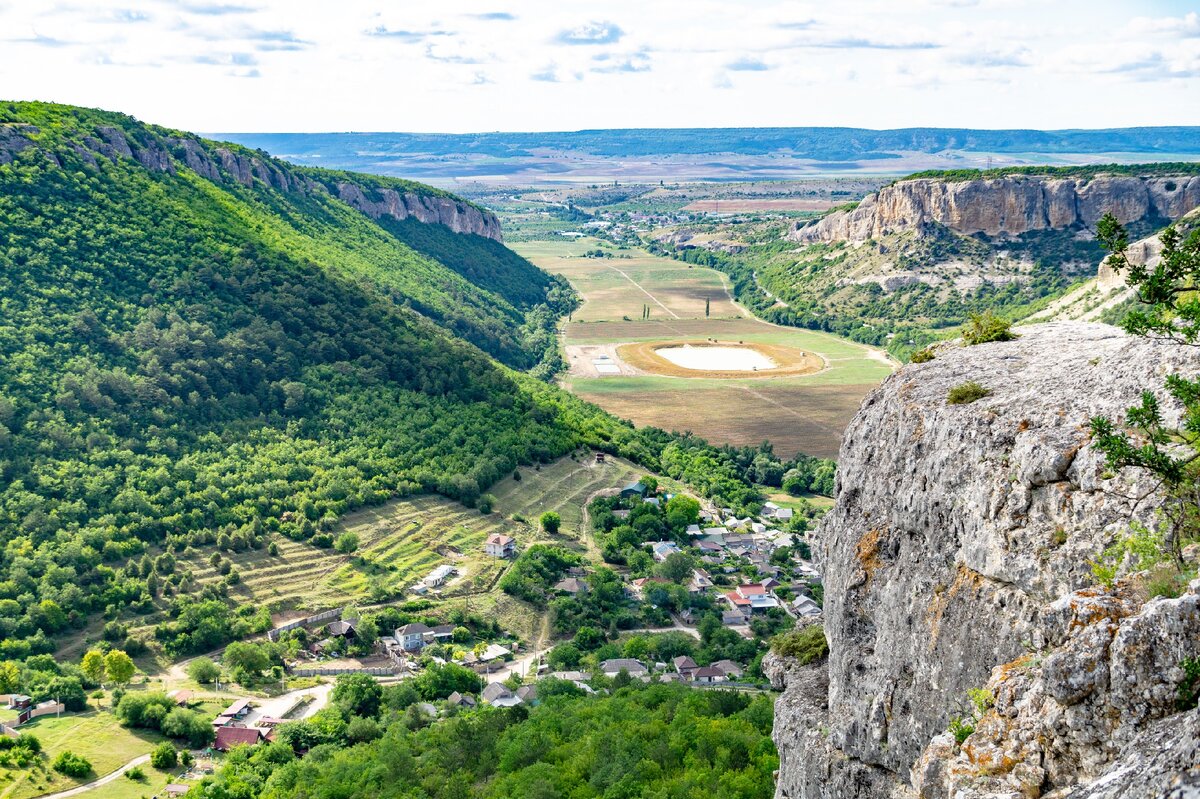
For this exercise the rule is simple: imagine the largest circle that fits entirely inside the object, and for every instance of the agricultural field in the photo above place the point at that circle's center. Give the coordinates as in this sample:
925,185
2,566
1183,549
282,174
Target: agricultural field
802,413
402,541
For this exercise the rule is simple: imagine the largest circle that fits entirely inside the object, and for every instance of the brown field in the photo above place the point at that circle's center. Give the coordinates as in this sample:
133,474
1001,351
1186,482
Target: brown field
791,362
735,205
793,417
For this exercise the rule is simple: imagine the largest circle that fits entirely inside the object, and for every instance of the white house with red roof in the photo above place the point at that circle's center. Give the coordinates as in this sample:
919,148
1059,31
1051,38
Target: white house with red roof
752,598
500,546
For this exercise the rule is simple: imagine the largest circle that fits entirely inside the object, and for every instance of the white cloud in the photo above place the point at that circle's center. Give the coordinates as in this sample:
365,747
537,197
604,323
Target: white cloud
374,65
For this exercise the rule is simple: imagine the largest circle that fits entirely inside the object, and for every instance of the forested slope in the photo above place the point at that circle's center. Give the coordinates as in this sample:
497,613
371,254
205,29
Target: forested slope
197,352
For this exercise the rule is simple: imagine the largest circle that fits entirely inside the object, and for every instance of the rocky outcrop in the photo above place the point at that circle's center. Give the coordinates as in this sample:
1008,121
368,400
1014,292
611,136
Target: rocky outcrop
455,214
229,164
958,557
1008,205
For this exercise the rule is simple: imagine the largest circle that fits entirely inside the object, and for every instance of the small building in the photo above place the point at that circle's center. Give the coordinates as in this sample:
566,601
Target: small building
663,550
528,694
734,618
637,489
238,709
638,587
19,701
804,606
411,637
700,582
340,629
497,694
708,674
461,700
732,670
613,667
443,632
177,789
500,546
571,676
751,598
685,666
571,585
694,530
181,697
439,576
784,514
229,737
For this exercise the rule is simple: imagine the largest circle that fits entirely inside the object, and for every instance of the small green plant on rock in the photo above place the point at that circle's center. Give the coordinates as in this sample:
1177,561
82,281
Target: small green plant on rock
922,356
961,728
1189,687
982,699
966,393
806,645
987,327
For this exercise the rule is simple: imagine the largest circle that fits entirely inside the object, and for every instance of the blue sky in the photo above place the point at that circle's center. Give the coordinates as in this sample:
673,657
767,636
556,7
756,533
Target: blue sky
470,65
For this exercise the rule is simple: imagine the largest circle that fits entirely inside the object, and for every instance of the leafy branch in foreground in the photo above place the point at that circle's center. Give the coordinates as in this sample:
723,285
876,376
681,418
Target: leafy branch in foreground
1171,311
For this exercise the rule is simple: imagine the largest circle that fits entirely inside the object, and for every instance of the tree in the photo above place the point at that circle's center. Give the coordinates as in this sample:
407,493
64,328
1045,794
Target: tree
188,725
93,667
10,677
357,694
677,567
439,681
164,756
245,660
71,764
120,666
1171,312
551,522
346,543
203,670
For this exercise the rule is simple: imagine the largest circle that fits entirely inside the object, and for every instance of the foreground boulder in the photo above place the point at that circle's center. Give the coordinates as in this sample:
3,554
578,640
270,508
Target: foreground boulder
958,557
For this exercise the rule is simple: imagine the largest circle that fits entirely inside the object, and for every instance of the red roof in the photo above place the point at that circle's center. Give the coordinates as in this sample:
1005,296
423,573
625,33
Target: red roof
751,588
737,598
497,538
229,737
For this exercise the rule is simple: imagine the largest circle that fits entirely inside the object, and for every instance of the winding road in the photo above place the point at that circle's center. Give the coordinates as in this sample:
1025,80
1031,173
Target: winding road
96,783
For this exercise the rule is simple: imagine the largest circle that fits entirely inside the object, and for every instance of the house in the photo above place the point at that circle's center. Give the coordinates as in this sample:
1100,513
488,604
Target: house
758,527
621,513
734,618
685,666
571,585
494,651
652,501
663,550
751,598
708,674
229,737
427,709
340,629
769,509
443,632
770,584
784,514
572,676
411,637
19,701
176,789
269,722
637,489
615,666
181,697
638,587
238,709
500,546
670,676
461,700
709,547
700,582
694,530
498,695
528,694
804,606
732,670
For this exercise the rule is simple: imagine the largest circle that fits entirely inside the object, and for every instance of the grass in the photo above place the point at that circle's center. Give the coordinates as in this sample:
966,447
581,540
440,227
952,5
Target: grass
805,413
966,393
93,735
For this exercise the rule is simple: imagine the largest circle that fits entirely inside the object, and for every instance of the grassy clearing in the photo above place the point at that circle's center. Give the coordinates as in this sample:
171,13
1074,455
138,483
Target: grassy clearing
93,735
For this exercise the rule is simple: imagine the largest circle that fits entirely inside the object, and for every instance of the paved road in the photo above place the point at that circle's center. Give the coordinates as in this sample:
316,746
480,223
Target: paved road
107,778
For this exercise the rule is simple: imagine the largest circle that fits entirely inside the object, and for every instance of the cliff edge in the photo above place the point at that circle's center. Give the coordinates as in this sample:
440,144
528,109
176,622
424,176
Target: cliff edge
957,557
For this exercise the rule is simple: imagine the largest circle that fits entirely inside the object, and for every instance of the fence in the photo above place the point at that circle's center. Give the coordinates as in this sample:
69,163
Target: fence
323,616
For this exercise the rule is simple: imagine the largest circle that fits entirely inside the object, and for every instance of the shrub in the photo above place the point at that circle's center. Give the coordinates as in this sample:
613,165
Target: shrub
922,356
485,503
551,521
986,327
136,774
1189,688
966,393
806,645
164,756
203,670
346,543
961,728
71,764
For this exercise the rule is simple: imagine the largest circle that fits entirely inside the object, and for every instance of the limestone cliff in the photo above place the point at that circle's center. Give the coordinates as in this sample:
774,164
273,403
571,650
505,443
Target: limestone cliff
1008,205
166,151
958,556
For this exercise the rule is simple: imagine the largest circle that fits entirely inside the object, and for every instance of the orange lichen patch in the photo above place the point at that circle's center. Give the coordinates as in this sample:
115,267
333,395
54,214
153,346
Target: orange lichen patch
965,578
1023,426
1091,606
867,552
789,362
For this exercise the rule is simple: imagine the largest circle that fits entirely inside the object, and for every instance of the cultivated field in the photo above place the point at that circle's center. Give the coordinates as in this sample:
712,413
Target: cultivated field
805,413
752,205
402,541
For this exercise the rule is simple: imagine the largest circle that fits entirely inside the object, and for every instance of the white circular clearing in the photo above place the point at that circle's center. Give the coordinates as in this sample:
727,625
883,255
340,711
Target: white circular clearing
717,359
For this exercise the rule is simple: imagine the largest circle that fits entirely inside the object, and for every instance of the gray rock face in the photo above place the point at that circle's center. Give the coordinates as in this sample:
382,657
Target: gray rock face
459,216
958,556
1010,205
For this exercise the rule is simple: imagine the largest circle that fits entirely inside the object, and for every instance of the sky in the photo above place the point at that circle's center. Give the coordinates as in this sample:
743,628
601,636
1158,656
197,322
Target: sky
537,65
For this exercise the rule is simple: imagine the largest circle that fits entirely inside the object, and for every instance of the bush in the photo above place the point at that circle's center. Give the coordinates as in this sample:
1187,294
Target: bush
346,543
806,645
486,503
136,774
164,756
961,728
987,327
203,670
71,764
922,356
551,521
966,393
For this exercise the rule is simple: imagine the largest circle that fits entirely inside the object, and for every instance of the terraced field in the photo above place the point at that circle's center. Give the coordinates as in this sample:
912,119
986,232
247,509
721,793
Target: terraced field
401,542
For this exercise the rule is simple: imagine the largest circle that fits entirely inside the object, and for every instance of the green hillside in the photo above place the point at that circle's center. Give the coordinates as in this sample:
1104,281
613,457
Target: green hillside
189,361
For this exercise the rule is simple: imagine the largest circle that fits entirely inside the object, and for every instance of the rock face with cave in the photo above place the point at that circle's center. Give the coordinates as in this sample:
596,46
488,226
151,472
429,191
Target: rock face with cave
958,557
